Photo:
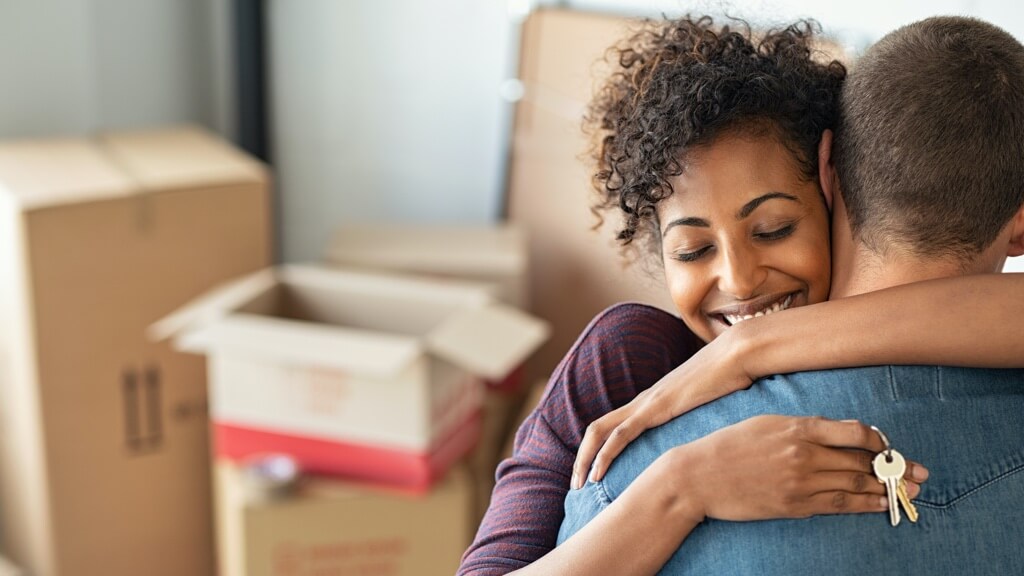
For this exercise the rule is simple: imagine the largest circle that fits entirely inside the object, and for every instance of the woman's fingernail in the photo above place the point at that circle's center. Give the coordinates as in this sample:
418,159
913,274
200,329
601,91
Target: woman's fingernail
575,483
848,420
920,473
883,502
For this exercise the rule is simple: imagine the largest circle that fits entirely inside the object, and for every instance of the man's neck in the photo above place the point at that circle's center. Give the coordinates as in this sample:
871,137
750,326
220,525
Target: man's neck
866,271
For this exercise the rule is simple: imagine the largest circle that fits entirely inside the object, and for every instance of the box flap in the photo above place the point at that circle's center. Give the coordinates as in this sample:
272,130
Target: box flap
305,343
457,250
430,291
179,157
209,308
489,341
43,173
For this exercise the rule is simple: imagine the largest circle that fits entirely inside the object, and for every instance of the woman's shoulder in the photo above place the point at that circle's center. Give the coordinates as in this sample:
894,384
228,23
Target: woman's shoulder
638,319
624,350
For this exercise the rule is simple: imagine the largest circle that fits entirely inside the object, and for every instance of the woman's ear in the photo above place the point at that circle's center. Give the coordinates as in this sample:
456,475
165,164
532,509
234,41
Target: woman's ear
1016,246
826,169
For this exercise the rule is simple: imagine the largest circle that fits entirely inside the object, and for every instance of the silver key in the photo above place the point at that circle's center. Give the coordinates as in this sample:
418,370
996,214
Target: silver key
889,468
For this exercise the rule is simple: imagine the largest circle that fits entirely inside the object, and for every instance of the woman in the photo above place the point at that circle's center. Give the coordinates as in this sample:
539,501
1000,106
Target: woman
703,121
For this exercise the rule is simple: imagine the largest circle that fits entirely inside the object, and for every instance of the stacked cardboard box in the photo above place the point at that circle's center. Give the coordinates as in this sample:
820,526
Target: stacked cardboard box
104,462
368,376
493,255
363,375
329,527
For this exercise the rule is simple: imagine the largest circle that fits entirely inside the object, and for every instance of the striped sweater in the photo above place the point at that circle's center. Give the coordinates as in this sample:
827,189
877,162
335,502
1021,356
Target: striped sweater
623,351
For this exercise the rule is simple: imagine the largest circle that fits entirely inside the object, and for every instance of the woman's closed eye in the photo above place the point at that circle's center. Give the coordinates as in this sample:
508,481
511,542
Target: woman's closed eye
777,234
692,255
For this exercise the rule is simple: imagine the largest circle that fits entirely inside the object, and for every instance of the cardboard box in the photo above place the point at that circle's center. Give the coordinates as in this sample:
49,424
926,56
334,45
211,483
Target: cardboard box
104,460
490,254
576,271
320,362
329,527
8,569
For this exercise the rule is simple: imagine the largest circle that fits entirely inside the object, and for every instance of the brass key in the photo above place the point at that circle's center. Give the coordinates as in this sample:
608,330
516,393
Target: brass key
908,506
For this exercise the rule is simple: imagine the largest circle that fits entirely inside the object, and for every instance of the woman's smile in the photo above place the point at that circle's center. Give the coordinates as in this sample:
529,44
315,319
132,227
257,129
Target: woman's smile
744,234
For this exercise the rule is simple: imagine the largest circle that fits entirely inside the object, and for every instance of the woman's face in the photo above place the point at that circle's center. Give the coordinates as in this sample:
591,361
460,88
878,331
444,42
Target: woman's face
743,234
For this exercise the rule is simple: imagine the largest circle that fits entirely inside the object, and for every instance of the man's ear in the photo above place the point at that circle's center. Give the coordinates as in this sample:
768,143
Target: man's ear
1016,245
826,169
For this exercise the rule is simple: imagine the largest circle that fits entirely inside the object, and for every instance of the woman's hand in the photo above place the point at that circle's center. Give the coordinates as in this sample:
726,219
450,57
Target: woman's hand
786,467
714,371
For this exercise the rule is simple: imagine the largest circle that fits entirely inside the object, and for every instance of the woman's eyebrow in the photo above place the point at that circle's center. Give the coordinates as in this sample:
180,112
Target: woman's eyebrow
691,221
749,207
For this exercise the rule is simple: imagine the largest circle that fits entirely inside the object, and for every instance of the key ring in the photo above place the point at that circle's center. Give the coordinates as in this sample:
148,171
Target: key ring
885,440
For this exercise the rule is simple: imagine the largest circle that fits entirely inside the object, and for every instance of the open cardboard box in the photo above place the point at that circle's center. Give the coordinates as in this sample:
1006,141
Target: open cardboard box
366,375
491,254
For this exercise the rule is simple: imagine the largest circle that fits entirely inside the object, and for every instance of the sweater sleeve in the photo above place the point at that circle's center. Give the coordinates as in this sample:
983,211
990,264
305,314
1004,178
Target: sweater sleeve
623,351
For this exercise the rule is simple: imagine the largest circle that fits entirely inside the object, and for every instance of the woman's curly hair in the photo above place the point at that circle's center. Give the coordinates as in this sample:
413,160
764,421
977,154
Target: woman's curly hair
679,84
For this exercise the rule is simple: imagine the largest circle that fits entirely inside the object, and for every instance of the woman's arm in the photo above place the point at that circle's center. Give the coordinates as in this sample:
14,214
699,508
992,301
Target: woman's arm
723,476
634,536
961,321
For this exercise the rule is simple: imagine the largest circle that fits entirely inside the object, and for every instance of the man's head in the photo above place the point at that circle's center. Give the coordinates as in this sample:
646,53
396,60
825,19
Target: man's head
929,151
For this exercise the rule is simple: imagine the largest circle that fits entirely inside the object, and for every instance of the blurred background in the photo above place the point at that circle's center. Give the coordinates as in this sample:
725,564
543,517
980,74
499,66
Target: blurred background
151,150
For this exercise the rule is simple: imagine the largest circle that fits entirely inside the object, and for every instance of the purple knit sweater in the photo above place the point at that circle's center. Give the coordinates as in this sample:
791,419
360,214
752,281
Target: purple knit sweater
623,351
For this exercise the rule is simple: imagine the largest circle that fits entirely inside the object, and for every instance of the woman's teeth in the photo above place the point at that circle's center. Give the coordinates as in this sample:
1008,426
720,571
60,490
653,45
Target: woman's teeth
780,305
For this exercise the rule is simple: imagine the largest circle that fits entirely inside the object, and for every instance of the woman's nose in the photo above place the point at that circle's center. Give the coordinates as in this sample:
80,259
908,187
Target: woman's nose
740,273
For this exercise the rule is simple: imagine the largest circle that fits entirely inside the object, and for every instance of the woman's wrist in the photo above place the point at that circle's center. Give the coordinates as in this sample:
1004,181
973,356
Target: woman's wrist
744,345
677,485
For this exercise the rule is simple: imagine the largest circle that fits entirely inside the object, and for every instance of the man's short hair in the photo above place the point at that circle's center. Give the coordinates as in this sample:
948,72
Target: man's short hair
930,144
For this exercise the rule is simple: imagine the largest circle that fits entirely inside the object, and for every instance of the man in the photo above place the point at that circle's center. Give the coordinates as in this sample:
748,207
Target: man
928,182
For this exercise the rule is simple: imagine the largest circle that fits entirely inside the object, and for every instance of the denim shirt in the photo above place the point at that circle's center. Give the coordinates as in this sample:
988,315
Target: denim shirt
965,425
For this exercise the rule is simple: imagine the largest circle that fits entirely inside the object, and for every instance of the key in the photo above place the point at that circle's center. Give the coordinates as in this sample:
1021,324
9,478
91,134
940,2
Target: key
889,468
908,506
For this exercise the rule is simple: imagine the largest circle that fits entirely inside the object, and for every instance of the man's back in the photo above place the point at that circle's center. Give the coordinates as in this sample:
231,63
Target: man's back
963,424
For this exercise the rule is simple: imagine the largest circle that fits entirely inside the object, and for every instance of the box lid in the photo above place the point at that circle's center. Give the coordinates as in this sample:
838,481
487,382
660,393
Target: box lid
53,172
213,323
489,341
468,328
42,173
374,354
210,307
459,250
179,157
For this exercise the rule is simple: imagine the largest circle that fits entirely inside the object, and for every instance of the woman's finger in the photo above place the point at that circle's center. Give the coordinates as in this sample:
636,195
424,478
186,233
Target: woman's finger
916,472
854,482
653,411
841,434
616,442
824,458
841,502
594,438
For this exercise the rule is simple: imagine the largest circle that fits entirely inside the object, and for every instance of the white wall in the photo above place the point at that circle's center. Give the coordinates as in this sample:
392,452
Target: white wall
386,111
75,66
